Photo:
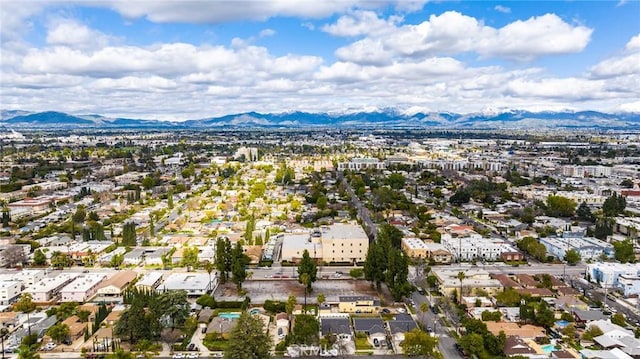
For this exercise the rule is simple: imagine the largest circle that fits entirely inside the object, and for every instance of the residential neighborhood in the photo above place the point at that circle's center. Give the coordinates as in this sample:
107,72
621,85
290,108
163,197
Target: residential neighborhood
170,244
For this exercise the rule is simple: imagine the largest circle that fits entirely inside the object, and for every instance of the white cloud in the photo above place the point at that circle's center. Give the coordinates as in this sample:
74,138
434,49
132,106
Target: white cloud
627,63
572,89
454,33
389,64
502,9
69,32
361,23
267,32
633,44
631,107
197,11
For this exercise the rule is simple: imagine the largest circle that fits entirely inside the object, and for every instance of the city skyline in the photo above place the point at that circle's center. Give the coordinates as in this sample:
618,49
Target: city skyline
187,60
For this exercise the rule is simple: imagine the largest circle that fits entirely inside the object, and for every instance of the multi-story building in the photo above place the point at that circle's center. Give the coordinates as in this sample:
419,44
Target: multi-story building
343,242
474,280
606,274
339,242
358,164
82,288
48,289
195,284
587,247
150,281
9,291
358,304
117,283
475,247
415,247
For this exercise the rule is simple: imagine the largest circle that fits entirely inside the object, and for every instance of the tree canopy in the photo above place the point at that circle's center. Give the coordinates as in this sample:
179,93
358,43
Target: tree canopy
248,339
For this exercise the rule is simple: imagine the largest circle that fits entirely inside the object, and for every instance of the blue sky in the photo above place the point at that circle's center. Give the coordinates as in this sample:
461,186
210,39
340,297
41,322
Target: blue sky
177,60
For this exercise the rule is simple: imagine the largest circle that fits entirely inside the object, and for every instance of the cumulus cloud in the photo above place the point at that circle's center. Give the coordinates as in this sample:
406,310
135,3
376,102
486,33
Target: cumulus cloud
627,63
633,44
385,62
361,23
197,11
454,33
69,32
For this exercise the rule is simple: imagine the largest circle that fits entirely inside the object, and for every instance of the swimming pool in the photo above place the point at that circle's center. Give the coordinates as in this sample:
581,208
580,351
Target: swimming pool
229,315
548,348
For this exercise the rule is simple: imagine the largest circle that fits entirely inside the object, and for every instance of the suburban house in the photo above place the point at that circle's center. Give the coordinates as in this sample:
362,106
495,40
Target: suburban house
82,288
116,284
358,304
341,327
373,327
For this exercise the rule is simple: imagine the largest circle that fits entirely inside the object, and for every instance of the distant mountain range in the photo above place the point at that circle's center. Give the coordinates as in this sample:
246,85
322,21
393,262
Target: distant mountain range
386,118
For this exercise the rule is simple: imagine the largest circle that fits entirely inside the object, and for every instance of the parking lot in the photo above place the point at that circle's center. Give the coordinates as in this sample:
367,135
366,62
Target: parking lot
261,290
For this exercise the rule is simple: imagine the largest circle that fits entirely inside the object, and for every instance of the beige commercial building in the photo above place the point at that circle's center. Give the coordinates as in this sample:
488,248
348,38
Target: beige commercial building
336,243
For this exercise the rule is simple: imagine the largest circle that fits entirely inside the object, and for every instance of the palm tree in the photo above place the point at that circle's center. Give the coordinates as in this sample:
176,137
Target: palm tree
461,276
305,279
25,304
147,348
209,267
120,354
27,352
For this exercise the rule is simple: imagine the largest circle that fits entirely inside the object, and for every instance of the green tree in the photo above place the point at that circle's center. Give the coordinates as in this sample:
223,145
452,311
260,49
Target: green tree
59,332
559,206
134,323
321,298
572,257
290,304
223,258
461,276
79,215
26,305
306,330
170,199
570,332
307,266
356,273
618,319
27,352
591,332
248,339
239,261
120,354
175,306
473,344
147,349
148,183
626,183
419,343
39,258
190,257
623,251
614,205
509,297
603,228
209,268
584,212
129,235
395,181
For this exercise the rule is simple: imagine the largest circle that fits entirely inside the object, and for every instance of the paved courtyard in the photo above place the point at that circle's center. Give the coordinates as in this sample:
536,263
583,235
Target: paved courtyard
261,290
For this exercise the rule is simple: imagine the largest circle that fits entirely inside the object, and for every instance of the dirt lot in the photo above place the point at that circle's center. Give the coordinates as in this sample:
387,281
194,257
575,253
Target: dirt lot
261,290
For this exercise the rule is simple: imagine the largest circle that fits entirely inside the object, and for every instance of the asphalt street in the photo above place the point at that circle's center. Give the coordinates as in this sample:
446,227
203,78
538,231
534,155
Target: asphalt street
446,344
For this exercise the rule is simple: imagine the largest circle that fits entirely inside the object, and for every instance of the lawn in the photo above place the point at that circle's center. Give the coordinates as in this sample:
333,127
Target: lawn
363,344
213,343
